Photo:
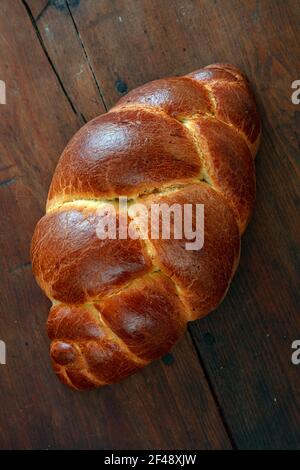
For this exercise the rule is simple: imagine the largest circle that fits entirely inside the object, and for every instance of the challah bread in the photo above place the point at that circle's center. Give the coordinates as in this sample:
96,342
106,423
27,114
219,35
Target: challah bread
118,304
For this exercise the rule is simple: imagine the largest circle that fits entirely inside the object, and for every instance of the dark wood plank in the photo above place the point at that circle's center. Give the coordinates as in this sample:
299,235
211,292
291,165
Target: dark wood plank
66,51
164,406
246,344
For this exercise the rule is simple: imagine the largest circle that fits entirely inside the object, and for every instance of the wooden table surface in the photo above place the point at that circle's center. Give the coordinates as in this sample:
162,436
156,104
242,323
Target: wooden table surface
230,382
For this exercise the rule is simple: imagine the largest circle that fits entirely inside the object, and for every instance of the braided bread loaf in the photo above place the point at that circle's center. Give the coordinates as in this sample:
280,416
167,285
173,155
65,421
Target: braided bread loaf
119,304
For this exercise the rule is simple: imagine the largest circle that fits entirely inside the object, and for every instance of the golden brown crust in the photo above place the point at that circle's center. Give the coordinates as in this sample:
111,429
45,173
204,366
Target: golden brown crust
85,351
175,95
125,153
148,316
201,276
74,266
119,304
232,99
229,165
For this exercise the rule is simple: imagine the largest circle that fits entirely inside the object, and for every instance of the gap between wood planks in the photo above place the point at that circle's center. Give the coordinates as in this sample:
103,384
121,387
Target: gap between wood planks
82,119
87,57
35,26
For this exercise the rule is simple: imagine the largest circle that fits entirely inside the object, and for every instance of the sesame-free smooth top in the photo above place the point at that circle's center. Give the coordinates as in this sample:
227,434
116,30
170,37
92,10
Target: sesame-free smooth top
119,304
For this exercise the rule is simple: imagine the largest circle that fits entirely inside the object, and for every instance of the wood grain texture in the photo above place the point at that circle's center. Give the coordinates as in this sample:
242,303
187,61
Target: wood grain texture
245,346
249,338
67,52
259,319
165,406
